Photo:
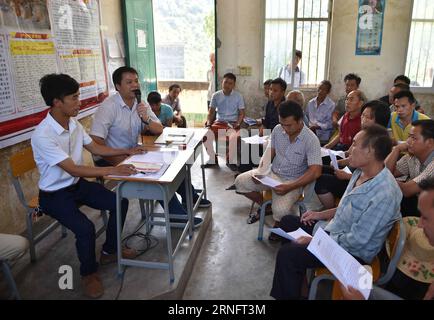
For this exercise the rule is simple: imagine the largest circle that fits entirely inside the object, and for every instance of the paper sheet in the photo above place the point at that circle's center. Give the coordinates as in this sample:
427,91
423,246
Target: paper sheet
325,153
347,170
255,139
340,263
161,158
268,181
334,161
294,235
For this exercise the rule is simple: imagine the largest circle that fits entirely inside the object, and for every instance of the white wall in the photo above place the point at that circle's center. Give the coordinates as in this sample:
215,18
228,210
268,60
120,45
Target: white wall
377,72
240,30
240,27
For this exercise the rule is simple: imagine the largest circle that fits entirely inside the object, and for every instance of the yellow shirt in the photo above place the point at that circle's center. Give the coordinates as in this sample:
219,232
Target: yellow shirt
399,132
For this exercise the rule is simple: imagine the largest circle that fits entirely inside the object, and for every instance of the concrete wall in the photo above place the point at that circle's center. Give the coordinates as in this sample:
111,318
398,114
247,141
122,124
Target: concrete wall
377,72
240,29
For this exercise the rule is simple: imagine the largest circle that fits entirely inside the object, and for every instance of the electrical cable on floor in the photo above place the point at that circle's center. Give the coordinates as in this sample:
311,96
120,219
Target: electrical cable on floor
150,242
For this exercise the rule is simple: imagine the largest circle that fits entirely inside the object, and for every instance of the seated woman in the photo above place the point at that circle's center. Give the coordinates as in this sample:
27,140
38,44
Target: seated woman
332,183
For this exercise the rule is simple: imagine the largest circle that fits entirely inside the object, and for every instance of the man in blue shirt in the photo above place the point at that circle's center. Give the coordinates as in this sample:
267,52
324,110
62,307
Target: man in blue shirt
361,222
228,104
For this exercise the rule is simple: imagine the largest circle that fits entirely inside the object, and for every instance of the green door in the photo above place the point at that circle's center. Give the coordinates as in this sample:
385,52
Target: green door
139,41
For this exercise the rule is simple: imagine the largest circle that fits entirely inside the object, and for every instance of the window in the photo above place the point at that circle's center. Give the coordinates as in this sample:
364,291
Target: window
311,18
420,52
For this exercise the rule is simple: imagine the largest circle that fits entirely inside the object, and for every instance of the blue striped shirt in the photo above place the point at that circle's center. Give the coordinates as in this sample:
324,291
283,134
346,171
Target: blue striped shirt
366,214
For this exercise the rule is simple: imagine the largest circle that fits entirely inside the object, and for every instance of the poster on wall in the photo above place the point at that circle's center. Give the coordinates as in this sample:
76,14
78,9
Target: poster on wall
370,27
38,37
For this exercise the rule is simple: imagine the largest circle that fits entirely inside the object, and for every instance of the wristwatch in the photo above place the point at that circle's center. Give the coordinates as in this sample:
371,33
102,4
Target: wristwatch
147,122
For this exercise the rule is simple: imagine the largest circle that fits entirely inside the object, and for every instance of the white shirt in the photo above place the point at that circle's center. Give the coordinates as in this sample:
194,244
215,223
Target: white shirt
53,144
299,77
117,124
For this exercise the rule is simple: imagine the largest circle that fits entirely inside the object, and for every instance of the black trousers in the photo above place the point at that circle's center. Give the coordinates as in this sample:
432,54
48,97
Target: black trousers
63,205
291,263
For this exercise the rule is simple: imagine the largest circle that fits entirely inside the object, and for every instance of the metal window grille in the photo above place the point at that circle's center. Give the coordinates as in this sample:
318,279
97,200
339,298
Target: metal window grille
306,21
420,53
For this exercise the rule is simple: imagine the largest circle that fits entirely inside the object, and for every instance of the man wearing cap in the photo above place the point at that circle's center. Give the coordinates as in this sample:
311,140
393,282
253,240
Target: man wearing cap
414,278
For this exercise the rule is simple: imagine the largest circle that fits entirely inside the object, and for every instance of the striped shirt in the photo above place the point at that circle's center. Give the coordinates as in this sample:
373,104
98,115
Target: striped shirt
321,116
410,166
293,159
366,214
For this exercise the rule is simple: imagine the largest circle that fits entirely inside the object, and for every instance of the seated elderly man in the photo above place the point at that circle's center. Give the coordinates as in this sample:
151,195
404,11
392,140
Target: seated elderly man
296,162
416,166
360,223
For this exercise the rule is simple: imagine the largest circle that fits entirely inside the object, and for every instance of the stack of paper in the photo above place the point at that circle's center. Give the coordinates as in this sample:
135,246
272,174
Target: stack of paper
146,166
171,136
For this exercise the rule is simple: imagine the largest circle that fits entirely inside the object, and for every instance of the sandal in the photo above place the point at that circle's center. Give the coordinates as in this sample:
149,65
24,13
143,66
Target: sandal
253,218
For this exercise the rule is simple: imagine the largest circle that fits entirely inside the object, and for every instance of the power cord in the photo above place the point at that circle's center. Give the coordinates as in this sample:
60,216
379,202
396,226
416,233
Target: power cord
150,242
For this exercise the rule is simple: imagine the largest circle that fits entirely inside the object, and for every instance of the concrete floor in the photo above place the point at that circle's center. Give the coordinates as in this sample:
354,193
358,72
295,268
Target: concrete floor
224,260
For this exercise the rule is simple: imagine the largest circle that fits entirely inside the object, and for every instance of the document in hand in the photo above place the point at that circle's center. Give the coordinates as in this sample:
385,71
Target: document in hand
255,139
294,235
334,160
340,263
267,181
347,170
249,121
325,153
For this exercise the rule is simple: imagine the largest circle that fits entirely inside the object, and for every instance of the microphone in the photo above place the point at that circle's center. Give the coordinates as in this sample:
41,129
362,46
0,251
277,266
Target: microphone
138,95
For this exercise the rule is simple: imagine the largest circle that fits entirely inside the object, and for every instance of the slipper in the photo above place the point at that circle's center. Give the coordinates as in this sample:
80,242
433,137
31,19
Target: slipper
253,218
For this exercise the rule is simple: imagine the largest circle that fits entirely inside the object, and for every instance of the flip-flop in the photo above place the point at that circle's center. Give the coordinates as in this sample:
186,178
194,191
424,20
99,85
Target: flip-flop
253,218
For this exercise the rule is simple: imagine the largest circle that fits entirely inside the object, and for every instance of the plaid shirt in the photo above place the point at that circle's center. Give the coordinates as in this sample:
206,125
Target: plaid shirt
293,159
366,214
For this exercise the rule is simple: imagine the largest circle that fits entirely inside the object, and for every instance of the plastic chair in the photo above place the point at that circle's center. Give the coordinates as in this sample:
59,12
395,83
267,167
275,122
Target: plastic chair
21,163
308,192
10,279
394,244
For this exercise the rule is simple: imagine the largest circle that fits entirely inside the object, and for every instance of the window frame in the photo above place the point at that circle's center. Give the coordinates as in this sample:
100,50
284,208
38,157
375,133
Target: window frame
414,89
306,88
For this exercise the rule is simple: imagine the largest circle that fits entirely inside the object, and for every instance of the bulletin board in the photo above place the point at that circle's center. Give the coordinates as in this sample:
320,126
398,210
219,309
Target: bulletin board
38,37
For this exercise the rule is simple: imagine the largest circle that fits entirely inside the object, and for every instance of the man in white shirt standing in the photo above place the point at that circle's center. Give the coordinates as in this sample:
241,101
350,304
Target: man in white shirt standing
57,144
285,72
